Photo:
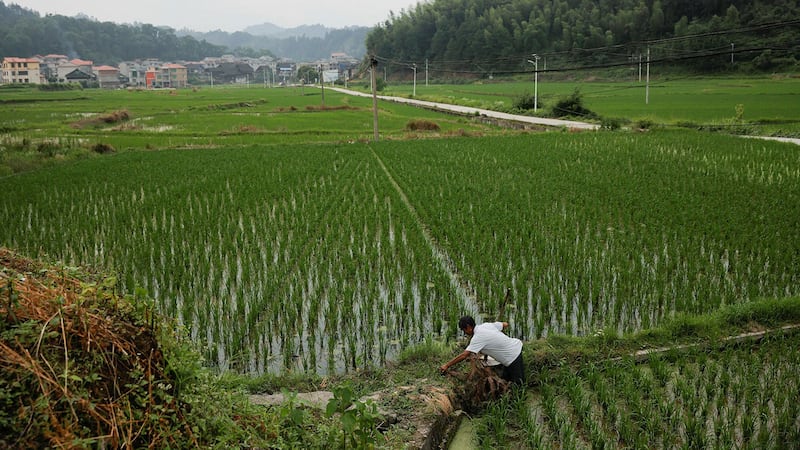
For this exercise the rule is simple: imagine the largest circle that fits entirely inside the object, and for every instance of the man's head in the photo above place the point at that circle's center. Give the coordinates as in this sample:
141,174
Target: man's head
467,325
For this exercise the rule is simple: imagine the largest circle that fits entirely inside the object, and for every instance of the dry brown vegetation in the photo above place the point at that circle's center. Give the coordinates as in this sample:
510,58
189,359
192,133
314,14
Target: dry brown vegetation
103,119
79,370
422,125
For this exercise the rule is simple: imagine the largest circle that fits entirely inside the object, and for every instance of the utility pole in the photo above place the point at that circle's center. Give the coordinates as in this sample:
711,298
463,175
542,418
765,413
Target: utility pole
640,67
322,85
731,54
535,63
426,71
647,87
373,67
414,94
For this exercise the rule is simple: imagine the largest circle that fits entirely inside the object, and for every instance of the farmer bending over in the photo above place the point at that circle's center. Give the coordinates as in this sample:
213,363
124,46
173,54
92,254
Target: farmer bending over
488,338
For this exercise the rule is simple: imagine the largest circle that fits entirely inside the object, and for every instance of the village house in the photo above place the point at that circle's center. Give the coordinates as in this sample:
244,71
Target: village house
135,71
48,66
69,67
107,76
20,70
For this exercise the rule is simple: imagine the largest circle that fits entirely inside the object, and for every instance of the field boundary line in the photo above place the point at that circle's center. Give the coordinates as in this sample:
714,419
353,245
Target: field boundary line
642,355
462,288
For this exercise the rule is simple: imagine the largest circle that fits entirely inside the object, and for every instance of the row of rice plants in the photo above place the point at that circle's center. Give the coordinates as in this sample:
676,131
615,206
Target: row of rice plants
740,396
295,259
594,231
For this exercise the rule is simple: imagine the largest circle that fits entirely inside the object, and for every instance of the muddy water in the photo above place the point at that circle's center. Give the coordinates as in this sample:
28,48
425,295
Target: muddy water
464,438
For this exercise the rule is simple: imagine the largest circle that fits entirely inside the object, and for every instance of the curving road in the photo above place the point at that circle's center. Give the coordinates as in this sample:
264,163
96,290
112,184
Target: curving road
466,110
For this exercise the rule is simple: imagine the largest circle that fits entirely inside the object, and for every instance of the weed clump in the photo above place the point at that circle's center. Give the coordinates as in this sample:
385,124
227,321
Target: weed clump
103,149
422,125
104,119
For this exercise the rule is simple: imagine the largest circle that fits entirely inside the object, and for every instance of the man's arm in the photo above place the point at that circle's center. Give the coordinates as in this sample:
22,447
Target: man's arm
464,355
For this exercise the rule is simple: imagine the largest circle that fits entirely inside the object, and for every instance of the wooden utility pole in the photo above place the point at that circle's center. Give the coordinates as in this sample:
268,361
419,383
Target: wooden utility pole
322,84
373,67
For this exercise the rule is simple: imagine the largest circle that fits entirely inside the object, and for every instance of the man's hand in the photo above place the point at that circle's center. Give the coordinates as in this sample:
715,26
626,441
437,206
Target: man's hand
443,369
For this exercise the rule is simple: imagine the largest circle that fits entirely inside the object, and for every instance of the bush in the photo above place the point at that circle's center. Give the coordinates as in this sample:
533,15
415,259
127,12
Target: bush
572,105
526,101
644,124
611,123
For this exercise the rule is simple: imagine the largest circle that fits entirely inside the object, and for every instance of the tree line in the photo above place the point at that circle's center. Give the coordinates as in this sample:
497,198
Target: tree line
24,33
495,36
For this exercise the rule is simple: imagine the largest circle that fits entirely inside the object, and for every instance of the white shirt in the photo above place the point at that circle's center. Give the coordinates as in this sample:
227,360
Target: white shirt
488,338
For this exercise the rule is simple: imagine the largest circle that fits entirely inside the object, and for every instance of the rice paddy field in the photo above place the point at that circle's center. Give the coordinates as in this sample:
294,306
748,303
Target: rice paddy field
736,396
281,239
330,256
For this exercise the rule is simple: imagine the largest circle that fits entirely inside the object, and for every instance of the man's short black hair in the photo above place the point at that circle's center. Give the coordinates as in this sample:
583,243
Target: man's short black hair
466,321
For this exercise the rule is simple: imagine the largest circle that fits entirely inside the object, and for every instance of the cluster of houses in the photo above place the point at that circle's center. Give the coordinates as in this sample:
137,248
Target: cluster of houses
152,73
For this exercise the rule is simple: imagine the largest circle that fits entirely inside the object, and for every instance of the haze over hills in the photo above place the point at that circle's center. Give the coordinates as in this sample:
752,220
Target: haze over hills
276,31
302,43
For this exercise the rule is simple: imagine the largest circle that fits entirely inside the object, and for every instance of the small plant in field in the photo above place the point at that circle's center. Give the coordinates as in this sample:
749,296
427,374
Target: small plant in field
357,418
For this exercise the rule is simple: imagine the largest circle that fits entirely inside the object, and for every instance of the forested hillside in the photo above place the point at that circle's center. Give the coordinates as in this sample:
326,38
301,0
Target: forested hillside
24,33
494,36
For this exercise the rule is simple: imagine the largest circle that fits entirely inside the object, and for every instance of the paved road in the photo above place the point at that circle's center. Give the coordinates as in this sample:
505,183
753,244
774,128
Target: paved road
780,139
484,112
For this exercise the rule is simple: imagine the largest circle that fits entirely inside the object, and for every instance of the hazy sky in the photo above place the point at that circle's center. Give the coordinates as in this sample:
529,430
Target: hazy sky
226,15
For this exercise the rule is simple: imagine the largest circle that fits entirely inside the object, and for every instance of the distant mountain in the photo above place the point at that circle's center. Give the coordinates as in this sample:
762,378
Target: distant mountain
276,31
304,43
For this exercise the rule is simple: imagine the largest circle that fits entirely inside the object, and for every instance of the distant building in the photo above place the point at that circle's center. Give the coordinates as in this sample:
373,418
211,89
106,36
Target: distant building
21,70
49,66
107,76
135,71
173,76
229,72
166,76
79,76
68,67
